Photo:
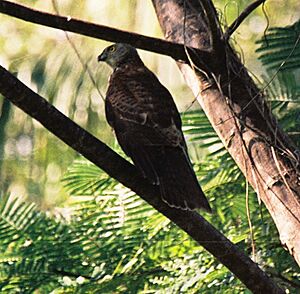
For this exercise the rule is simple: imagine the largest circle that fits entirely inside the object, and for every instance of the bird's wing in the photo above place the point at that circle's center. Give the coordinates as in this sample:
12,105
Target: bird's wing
140,99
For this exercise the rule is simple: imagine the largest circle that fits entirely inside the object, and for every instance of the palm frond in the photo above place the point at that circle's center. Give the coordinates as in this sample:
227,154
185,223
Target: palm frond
217,166
280,48
280,52
84,178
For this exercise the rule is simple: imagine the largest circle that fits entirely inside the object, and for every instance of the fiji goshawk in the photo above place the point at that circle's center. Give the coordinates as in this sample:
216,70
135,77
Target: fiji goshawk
148,127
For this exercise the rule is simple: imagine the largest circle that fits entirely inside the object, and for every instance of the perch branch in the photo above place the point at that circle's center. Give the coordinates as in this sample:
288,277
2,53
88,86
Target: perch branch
156,45
247,11
124,172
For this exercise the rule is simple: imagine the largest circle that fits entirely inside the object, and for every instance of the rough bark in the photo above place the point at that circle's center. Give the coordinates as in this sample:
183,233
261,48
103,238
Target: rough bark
239,114
124,172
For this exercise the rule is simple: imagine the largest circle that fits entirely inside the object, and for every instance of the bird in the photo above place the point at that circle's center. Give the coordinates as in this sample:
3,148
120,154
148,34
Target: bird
148,127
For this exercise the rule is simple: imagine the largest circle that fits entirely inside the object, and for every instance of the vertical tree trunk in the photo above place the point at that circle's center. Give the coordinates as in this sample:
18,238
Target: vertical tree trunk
239,114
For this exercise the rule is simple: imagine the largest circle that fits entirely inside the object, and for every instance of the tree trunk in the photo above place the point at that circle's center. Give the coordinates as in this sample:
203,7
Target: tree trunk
238,112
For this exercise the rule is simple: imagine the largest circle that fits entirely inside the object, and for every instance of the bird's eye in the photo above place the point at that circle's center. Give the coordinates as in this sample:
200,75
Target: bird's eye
112,49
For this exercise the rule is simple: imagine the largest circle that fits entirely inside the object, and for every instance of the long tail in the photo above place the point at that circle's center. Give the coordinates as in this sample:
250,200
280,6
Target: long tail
172,170
178,183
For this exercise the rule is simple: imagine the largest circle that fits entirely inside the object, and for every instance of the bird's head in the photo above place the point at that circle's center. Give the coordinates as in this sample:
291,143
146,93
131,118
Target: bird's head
118,54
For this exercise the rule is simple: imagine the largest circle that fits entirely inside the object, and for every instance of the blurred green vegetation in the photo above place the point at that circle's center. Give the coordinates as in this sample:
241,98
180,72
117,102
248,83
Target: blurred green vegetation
104,232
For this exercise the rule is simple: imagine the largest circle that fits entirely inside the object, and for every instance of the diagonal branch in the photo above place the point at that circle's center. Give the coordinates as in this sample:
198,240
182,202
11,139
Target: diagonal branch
124,172
246,12
156,45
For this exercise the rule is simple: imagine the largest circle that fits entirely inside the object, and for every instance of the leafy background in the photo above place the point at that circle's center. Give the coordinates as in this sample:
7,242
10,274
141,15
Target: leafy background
66,227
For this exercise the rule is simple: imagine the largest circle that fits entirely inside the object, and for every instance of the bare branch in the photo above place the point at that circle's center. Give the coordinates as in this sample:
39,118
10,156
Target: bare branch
242,17
156,45
124,172
292,283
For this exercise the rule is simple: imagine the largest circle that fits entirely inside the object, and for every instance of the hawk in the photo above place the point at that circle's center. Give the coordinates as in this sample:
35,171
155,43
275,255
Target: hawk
147,125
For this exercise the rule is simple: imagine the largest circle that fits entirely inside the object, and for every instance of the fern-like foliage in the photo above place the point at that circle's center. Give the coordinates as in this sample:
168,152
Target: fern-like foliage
111,241
32,243
280,48
279,51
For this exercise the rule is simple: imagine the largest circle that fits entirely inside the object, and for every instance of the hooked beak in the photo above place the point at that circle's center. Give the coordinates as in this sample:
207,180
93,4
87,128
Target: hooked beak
102,57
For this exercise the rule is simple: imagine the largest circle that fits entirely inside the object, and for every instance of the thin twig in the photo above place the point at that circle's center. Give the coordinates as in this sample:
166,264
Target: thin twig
241,18
280,170
81,60
249,221
70,274
286,280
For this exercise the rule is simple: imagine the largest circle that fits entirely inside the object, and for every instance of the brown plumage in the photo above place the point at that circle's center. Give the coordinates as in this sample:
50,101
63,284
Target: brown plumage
148,128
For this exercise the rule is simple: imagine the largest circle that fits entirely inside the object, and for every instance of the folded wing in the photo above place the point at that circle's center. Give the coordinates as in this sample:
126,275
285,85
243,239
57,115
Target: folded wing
148,128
